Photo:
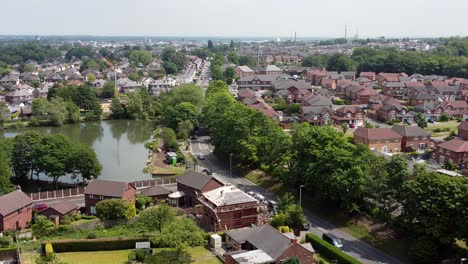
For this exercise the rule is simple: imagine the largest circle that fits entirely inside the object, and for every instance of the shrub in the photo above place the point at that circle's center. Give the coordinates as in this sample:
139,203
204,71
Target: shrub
178,232
444,117
143,201
423,250
91,235
140,254
94,244
88,217
115,209
49,250
329,251
5,241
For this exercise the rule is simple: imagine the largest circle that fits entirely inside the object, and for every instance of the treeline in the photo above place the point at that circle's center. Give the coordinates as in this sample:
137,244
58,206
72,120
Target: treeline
18,54
352,177
83,96
173,61
32,153
449,60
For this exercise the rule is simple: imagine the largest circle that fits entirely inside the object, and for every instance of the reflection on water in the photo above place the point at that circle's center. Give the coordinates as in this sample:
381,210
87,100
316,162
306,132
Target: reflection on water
119,145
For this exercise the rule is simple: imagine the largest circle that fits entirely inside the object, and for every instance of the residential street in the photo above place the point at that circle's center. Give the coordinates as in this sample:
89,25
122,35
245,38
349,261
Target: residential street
356,248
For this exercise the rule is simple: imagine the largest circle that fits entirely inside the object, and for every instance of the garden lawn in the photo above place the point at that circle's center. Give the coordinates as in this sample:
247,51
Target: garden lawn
200,255
101,257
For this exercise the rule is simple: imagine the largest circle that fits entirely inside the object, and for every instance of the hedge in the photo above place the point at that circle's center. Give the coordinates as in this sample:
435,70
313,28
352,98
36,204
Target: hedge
329,251
94,244
8,249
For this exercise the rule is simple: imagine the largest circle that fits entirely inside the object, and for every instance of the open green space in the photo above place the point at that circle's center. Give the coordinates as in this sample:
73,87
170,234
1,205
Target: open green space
200,255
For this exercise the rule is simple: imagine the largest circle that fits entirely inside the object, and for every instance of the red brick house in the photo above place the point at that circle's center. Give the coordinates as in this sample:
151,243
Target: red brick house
369,75
383,140
391,112
227,208
242,71
265,244
15,211
60,210
328,84
156,192
455,150
99,190
422,98
193,184
315,76
414,138
316,115
463,130
390,77
350,114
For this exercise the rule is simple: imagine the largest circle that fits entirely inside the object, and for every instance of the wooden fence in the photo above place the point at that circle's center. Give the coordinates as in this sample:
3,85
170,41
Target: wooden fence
77,191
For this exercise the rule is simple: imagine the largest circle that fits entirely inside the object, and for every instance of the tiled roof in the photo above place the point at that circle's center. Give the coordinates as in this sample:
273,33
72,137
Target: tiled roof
195,180
13,201
376,133
455,145
410,131
107,188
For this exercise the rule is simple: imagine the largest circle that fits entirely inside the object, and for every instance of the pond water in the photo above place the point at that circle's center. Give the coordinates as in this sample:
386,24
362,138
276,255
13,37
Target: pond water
119,145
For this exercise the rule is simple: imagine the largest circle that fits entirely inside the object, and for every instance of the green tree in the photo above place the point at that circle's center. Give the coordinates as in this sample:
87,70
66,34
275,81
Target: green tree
182,231
140,57
216,72
91,77
184,128
134,105
184,93
422,123
233,58
182,112
134,76
247,60
55,155
450,165
170,67
73,112
85,162
229,75
117,109
170,140
444,117
25,154
340,62
5,176
108,90
115,209
29,67
285,202
156,217
57,112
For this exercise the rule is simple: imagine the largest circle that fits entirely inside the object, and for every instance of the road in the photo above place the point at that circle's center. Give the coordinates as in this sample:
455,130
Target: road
352,246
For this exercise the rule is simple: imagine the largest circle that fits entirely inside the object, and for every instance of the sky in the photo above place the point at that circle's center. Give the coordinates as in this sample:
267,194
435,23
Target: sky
239,18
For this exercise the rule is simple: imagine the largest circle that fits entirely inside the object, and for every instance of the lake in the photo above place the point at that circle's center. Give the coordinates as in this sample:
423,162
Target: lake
119,145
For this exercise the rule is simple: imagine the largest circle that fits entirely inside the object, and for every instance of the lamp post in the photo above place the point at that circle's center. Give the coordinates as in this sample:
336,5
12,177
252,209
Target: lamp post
230,165
462,260
300,194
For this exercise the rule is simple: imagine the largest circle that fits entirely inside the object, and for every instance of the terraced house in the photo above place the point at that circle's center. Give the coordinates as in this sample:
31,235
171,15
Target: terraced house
383,140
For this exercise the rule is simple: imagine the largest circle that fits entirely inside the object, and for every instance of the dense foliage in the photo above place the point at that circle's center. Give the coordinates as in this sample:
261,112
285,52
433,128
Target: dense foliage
83,96
18,54
115,209
174,61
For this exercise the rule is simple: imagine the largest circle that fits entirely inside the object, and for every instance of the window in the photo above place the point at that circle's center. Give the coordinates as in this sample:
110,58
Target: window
441,150
415,138
395,146
378,140
411,146
348,115
92,210
423,137
387,140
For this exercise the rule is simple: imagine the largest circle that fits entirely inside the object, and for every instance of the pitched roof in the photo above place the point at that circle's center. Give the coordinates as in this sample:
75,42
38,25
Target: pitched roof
228,195
13,201
195,180
424,96
349,108
281,84
463,125
265,238
107,188
245,68
455,145
63,207
376,133
155,190
410,131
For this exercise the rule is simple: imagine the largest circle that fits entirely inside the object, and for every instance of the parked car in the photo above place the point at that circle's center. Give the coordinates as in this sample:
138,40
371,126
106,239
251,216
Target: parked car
305,227
259,197
40,207
352,126
430,121
332,240
200,156
272,205
207,171
251,193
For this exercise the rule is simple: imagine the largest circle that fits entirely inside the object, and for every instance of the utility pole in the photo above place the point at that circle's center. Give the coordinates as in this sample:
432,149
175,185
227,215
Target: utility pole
346,32
300,194
295,37
230,165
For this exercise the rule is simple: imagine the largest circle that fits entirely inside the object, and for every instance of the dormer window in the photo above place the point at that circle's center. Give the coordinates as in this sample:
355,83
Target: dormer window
348,115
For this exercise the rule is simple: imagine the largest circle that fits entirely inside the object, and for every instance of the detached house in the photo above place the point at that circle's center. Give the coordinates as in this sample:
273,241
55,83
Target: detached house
15,211
350,114
383,140
389,112
99,190
455,150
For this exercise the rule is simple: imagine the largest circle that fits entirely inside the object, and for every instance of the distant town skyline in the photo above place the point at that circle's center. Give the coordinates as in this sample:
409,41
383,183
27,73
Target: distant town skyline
241,18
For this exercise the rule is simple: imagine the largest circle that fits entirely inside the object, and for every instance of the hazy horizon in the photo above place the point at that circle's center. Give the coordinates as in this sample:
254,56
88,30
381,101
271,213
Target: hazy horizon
241,18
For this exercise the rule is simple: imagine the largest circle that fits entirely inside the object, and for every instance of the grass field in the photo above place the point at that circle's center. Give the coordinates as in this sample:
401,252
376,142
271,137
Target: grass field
387,243
200,255
101,257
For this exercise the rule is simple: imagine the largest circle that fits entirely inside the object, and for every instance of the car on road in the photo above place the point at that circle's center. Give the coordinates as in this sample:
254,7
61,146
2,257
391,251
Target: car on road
272,206
40,207
305,227
207,171
259,197
332,240
251,193
200,156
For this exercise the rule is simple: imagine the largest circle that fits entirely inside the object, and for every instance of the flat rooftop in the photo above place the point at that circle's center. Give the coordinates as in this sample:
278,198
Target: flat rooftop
252,257
228,195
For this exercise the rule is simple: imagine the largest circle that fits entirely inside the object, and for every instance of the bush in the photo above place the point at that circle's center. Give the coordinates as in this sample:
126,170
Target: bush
91,235
5,241
49,250
444,117
115,209
424,250
329,251
88,217
94,244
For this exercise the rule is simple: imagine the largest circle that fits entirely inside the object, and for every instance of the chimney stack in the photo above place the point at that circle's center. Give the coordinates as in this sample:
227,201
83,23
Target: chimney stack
294,240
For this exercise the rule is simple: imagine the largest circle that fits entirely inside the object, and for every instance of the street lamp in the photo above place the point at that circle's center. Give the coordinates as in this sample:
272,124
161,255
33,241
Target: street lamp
462,260
300,194
230,165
